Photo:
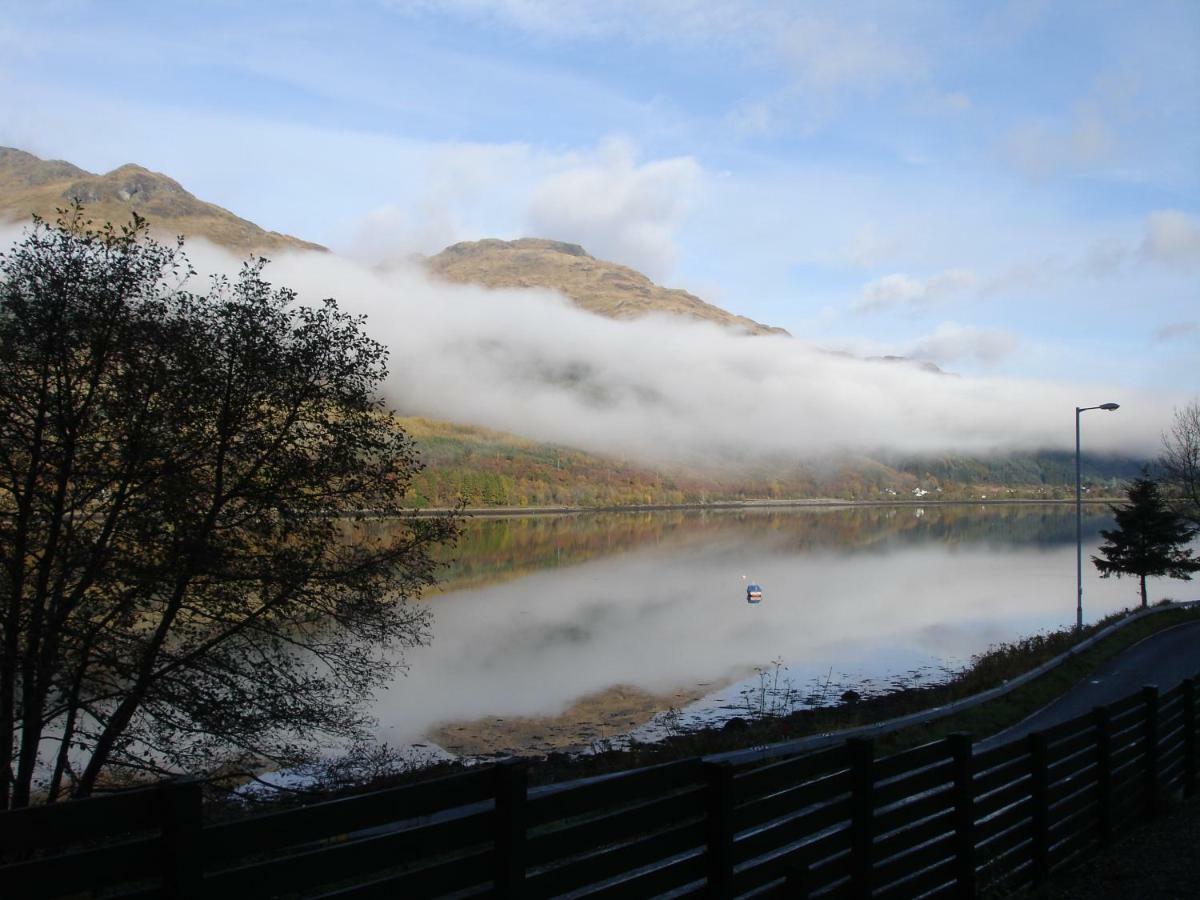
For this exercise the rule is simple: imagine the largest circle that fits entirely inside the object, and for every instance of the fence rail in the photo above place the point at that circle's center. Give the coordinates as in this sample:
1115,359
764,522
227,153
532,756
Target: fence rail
937,820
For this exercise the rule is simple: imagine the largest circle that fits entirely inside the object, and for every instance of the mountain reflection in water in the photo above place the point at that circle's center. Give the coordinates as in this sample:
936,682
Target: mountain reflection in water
542,618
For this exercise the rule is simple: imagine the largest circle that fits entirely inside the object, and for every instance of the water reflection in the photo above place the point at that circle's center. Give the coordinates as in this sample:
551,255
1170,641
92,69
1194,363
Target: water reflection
541,612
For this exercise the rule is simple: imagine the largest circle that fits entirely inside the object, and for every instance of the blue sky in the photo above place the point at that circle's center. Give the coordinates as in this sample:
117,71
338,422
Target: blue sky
1004,188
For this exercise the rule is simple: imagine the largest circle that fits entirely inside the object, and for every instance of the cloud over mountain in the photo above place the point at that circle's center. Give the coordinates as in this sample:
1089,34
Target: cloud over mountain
665,388
951,343
620,209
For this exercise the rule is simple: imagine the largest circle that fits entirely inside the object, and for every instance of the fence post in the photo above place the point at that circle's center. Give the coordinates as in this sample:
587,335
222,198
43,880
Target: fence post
180,811
1104,792
1150,698
964,812
511,791
1189,737
719,824
862,813
1038,764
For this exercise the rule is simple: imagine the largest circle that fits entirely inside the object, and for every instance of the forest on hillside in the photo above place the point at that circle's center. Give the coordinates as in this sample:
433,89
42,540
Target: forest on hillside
483,468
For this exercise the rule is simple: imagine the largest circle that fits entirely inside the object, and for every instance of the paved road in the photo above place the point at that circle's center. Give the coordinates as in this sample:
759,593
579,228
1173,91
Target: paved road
1163,659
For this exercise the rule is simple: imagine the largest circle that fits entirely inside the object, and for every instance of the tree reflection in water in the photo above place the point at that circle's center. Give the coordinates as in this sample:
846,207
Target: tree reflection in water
545,620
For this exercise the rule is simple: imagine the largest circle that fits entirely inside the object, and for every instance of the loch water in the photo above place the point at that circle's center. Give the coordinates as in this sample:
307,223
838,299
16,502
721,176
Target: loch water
610,618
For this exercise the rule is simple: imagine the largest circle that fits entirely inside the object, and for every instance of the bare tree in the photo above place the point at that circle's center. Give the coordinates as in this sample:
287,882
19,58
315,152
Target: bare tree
185,575
1180,462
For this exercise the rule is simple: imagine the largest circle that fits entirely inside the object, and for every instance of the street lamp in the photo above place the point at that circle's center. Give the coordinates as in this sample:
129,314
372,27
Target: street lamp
1079,516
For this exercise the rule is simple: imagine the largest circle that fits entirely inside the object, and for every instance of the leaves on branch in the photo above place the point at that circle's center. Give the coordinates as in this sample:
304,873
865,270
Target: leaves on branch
186,570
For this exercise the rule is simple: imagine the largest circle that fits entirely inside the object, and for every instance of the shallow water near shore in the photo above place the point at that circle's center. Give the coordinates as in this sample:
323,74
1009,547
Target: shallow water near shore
567,631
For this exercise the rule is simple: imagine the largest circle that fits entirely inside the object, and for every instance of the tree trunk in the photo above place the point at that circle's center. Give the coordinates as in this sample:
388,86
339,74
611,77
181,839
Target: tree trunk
1143,578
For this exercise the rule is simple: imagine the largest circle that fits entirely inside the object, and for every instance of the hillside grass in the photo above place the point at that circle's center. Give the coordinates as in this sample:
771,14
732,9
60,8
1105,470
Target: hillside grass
481,468
1010,709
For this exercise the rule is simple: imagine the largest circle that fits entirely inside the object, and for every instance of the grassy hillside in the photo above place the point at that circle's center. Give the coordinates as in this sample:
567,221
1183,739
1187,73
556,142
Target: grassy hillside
601,287
489,468
31,185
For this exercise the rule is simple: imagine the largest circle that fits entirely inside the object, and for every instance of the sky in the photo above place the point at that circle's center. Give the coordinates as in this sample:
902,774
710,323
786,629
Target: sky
1009,190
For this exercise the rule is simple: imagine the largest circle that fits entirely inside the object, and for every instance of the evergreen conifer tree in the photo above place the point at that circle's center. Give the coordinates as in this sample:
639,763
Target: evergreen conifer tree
1150,538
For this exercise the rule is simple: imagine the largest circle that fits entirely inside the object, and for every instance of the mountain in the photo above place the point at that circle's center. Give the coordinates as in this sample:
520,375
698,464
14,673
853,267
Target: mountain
604,288
32,185
490,468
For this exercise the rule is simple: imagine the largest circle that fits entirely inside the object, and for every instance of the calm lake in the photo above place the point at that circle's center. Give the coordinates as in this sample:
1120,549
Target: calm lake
556,631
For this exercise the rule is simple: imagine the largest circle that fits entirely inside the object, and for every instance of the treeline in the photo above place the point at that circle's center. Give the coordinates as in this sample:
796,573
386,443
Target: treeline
1043,469
485,468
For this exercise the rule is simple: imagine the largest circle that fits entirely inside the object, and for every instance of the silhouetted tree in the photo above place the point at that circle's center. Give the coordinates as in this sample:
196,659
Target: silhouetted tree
1180,462
183,575
1150,538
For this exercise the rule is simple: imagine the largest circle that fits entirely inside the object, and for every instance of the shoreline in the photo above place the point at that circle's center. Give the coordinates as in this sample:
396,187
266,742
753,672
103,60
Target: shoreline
814,503
897,719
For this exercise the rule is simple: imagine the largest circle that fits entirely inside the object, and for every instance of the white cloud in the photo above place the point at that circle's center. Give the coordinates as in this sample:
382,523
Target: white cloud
752,119
854,48
868,247
1172,238
462,192
1106,257
827,55
605,199
903,290
616,208
1023,276
950,343
392,232
670,389
890,290
1173,331
1043,148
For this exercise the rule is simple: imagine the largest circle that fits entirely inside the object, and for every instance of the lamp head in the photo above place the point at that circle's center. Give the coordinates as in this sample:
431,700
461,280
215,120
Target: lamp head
1110,406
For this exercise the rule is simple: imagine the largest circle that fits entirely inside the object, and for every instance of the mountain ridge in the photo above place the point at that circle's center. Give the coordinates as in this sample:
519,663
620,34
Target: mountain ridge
494,468
30,185
595,285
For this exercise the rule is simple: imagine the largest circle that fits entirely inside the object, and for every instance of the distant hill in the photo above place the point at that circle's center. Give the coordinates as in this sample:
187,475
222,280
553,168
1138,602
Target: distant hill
488,468
604,288
484,468
31,185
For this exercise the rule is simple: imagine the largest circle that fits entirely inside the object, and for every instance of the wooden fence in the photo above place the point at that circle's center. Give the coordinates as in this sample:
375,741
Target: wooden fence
937,820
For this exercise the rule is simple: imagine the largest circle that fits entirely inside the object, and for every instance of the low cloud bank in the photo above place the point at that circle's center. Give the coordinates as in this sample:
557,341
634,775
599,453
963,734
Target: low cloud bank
666,389
663,388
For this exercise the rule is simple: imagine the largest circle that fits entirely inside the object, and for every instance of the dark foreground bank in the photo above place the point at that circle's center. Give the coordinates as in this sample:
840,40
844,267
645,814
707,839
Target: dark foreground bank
1157,860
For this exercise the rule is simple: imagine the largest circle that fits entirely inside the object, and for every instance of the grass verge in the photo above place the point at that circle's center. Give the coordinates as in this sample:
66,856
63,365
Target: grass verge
1015,706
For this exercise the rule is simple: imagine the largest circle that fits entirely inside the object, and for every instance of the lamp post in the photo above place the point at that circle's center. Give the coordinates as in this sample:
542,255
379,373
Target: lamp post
1079,516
